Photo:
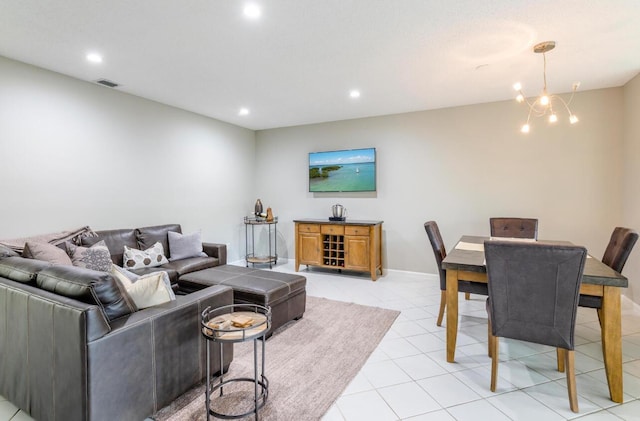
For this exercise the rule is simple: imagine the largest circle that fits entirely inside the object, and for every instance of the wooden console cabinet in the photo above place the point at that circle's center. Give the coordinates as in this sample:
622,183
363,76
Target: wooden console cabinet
351,245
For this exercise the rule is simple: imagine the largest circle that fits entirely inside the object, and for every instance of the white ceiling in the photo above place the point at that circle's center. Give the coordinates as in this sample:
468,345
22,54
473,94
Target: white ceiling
298,62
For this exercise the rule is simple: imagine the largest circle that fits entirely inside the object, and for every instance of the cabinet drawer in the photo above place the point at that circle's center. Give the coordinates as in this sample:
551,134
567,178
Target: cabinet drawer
308,228
356,230
332,229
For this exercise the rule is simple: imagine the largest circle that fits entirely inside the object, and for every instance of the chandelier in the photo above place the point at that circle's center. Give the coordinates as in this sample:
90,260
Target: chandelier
546,104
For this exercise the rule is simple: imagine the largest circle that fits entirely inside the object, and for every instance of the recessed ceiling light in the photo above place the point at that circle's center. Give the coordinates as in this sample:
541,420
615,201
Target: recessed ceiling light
243,111
252,11
354,93
94,58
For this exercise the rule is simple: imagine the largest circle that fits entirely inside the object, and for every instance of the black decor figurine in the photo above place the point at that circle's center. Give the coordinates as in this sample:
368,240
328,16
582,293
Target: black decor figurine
258,208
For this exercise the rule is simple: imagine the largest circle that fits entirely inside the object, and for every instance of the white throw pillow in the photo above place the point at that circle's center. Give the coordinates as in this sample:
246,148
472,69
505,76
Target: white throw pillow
138,259
183,246
146,290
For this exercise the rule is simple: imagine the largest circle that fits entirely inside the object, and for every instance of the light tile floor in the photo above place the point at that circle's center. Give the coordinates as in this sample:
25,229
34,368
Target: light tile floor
407,376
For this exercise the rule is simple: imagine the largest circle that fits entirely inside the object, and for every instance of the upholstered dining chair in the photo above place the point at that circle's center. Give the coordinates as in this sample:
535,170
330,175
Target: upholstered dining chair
615,256
533,296
514,227
440,252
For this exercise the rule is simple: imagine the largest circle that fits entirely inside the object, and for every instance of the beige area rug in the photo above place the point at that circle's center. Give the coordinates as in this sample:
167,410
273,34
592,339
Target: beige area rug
309,363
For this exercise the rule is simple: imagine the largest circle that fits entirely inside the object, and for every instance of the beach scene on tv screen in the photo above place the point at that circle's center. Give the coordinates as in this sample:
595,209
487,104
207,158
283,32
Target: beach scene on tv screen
342,171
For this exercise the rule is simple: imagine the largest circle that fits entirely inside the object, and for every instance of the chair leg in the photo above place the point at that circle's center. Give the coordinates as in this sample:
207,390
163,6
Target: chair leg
489,338
599,310
467,296
561,356
571,380
493,350
443,304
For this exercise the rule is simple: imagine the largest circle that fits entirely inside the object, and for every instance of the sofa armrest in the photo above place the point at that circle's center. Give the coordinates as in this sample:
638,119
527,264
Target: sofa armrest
44,342
165,352
216,250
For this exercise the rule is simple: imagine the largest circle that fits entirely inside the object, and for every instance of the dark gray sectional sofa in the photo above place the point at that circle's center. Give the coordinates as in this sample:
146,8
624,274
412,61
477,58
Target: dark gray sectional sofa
71,350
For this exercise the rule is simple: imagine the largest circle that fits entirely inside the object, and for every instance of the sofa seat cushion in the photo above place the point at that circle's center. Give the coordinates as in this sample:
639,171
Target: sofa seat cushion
21,269
115,241
192,264
86,285
173,274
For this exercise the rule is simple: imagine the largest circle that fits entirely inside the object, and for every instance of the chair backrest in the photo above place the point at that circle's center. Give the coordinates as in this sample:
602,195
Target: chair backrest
534,290
619,247
514,227
439,251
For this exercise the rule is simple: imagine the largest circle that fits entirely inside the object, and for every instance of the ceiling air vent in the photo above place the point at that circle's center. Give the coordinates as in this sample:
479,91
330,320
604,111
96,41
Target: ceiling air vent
107,82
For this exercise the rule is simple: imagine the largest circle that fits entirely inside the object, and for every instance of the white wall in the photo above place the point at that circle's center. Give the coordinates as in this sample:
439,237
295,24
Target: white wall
75,153
631,180
459,166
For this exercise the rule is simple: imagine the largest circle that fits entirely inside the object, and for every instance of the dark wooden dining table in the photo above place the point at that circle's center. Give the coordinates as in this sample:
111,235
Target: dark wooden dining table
466,262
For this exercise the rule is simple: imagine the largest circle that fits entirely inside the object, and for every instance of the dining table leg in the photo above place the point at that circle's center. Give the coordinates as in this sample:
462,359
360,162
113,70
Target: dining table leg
611,328
452,314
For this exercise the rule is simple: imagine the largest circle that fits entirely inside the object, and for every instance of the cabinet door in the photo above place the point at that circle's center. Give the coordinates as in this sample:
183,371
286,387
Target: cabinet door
310,249
356,252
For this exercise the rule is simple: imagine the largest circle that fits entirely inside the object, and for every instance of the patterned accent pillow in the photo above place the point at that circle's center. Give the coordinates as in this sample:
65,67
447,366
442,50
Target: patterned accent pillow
96,257
149,258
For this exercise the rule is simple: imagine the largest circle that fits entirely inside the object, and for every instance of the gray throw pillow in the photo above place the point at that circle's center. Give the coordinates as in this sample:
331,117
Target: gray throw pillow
47,252
183,246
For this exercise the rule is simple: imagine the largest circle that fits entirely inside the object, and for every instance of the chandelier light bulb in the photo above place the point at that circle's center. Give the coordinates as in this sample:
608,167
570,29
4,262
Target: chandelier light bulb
525,128
517,86
573,119
520,98
553,118
544,100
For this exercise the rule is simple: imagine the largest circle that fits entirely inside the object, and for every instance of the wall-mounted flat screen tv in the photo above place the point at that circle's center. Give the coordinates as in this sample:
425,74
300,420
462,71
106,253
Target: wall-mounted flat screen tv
352,170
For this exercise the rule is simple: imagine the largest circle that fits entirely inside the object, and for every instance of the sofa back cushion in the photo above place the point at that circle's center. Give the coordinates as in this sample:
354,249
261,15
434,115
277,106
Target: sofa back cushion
115,241
148,236
21,269
86,285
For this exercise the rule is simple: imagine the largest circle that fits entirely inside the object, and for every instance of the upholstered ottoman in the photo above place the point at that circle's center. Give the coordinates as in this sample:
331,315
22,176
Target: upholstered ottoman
284,292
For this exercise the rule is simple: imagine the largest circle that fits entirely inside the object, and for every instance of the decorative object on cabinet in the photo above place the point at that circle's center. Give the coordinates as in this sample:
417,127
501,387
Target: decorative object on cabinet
339,213
353,245
269,215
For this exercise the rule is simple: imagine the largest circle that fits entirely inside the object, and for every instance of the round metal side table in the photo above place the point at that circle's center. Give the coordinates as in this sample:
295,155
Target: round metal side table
231,324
